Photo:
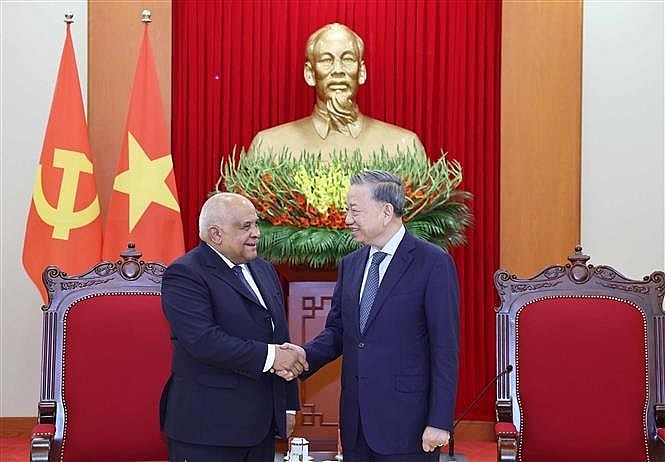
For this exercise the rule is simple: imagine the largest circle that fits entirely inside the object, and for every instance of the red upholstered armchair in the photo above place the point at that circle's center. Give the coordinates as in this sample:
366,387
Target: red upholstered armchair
105,357
588,349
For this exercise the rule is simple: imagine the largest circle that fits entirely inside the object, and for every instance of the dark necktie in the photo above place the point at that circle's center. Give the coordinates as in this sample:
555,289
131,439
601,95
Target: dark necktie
237,270
371,287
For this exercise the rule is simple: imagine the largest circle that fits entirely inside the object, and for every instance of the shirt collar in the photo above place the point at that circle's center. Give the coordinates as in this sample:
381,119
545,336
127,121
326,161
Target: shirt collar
226,260
391,246
322,124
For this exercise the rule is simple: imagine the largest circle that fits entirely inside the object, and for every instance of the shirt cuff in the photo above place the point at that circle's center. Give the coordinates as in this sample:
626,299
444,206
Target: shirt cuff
270,358
291,412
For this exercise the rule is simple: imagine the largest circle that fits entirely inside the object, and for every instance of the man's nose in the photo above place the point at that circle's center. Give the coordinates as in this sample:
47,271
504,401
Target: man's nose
337,67
256,231
348,219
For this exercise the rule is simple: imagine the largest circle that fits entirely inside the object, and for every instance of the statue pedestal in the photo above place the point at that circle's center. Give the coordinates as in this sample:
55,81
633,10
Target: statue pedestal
309,297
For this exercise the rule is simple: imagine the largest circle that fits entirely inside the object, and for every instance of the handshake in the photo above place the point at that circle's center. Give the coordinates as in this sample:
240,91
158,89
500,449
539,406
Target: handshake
290,361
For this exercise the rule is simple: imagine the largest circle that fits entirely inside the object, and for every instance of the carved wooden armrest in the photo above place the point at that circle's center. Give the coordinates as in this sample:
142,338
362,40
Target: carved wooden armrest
506,440
40,442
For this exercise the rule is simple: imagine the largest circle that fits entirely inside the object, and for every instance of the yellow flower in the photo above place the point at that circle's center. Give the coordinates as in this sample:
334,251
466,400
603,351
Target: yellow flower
323,187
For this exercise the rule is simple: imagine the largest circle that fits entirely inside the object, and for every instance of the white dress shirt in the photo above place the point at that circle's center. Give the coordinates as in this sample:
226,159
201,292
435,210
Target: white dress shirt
390,248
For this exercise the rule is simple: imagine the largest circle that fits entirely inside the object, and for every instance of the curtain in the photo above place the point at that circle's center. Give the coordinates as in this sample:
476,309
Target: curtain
432,66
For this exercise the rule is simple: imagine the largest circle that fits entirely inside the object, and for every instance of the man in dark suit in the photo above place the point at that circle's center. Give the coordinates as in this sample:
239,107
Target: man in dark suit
226,313
395,320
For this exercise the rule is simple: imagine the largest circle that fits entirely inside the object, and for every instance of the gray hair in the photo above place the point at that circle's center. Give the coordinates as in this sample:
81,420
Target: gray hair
209,215
385,187
314,38
214,210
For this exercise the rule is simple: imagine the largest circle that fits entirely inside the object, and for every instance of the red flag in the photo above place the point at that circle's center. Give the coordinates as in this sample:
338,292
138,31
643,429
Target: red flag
64,226
144,201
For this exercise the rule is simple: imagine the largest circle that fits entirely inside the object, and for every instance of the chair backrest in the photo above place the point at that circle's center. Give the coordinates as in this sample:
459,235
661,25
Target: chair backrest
588,349
105,357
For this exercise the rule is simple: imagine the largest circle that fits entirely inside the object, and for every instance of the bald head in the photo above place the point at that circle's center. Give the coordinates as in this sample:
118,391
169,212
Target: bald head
228,222
218,209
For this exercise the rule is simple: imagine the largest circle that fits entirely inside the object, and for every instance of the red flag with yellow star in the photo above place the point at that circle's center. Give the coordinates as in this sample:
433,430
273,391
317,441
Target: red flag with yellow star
64,224
144,202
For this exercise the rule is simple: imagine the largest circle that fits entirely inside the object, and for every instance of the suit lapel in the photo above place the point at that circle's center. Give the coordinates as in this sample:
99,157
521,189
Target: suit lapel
221,270
398,265
261,278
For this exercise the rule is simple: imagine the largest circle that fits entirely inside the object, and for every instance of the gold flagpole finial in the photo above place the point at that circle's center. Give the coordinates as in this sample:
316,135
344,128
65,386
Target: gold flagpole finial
69,17
146,16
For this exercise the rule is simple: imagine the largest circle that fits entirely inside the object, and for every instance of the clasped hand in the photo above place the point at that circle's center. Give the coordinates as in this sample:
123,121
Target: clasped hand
433,438
290,361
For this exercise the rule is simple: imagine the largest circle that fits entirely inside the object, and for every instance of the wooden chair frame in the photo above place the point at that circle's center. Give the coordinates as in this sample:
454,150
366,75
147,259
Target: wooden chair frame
129,275
577,278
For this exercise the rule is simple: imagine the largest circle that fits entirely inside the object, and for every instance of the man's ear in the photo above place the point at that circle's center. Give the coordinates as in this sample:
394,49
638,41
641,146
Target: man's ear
388,211
309,74
215,235
362,73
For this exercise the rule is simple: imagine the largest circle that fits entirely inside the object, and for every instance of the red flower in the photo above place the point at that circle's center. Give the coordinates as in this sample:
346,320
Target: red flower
303,222
300,199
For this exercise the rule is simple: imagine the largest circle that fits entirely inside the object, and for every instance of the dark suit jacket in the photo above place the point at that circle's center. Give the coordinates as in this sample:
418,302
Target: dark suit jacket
217,393
400,375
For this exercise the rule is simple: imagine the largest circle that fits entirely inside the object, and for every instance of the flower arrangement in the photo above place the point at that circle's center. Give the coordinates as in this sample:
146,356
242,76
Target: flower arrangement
301,200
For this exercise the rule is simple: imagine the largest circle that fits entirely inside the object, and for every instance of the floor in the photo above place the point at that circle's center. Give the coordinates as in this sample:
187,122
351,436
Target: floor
465,451
15,449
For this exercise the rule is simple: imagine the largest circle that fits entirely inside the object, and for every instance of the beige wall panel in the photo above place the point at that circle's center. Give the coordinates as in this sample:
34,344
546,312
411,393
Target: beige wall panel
114,36
540,133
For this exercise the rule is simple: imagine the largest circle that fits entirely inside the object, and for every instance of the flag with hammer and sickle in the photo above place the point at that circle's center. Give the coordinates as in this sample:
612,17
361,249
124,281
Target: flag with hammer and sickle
144,205
64,226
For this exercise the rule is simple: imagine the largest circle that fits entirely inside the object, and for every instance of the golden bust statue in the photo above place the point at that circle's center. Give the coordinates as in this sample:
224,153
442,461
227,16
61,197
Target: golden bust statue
335,68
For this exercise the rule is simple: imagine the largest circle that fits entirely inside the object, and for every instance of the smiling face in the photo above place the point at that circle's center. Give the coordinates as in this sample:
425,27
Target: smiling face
371,222
235,232
335,67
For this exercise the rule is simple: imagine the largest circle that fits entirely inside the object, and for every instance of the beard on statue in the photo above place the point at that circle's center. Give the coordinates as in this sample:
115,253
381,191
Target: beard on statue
341,109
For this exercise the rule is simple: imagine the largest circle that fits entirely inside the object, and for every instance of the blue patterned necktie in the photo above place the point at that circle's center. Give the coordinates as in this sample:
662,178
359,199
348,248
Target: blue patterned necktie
237,270
371,287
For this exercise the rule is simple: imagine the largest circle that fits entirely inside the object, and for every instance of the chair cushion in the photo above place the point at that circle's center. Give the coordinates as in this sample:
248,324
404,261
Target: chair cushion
661,435
505,429
116,360
43,430
582,374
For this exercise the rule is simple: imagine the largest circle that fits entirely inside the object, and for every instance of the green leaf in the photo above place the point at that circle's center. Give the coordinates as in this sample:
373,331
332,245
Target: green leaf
441,215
